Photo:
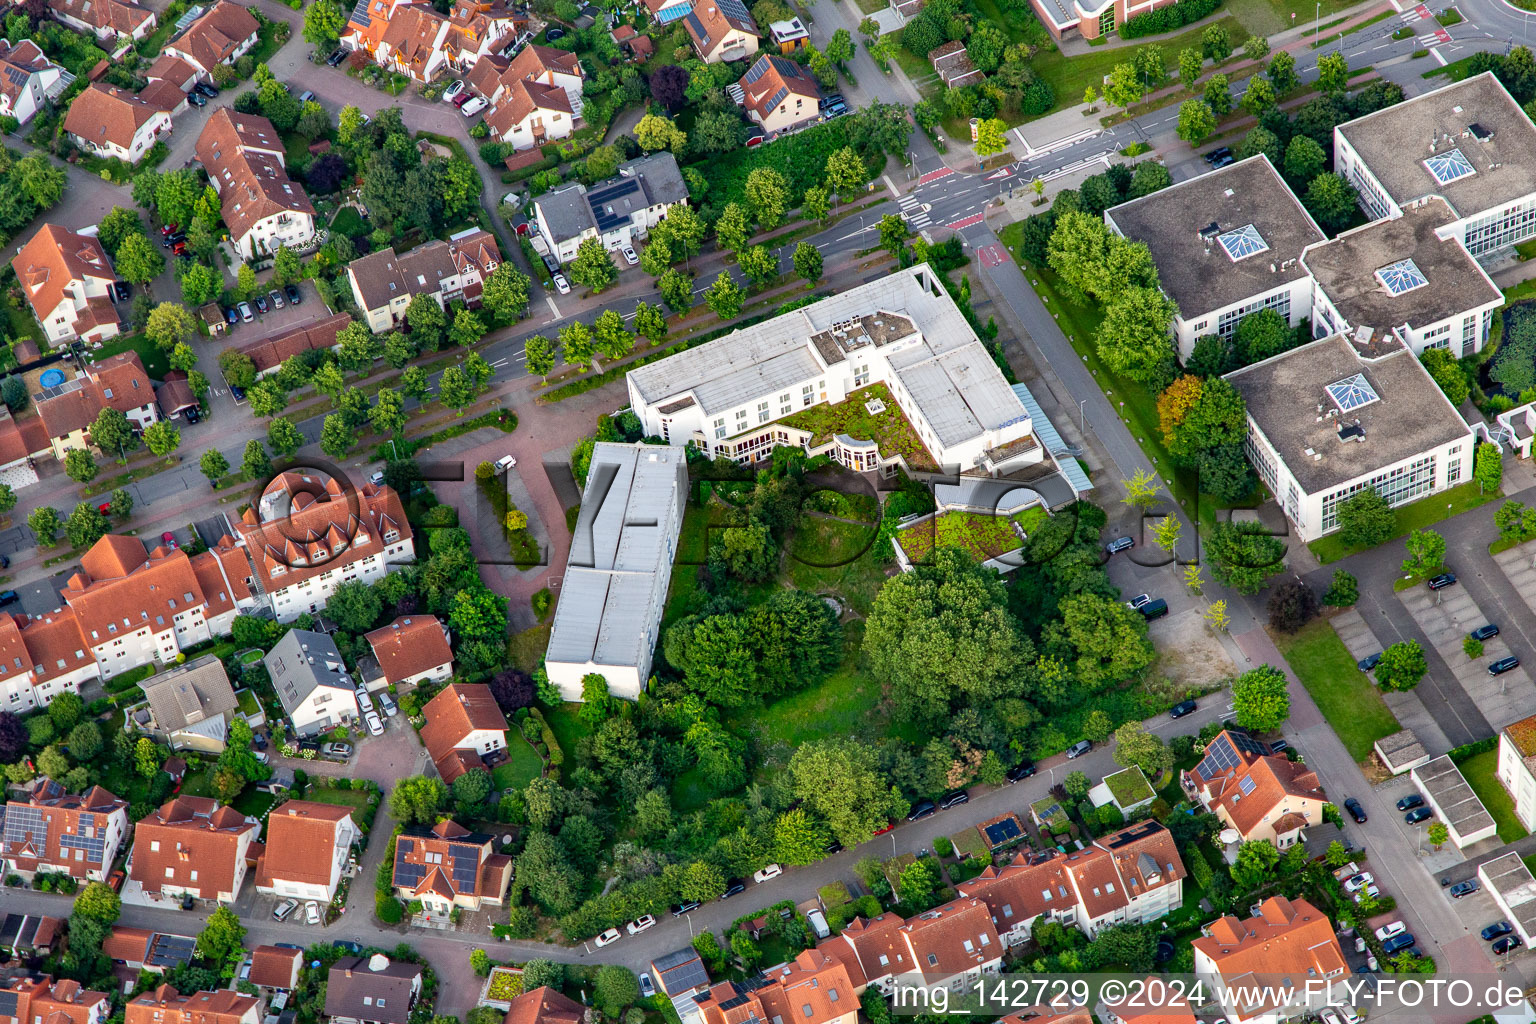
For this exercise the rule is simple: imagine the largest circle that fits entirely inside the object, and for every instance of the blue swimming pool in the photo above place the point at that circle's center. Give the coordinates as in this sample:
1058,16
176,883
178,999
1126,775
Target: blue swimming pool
51,378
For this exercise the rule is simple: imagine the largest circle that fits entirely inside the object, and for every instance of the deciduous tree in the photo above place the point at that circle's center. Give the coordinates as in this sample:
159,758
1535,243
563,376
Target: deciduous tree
1260,699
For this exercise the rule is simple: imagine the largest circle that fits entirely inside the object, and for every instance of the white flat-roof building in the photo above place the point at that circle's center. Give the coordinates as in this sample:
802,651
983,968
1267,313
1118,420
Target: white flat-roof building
1453,801
1407,276
1226,244
1510,883
1469,144
900,339
615,585
1517,767
1331,418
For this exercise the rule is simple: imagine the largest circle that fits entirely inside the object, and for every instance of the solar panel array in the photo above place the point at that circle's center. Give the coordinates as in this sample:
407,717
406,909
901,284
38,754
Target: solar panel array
24,823
1243,242
1223,754
1402,276
466,866
170,950
681,971
757,70
406,873
1353,393
1245,785
734,9
1000,832
1449,166
9,1001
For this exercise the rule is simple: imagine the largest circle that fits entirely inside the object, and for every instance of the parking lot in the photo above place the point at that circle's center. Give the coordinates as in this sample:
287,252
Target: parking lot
1361,642
275,321
1446,617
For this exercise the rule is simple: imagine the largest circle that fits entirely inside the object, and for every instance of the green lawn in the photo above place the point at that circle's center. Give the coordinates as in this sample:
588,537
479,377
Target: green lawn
521,767
350,223
1266,17
1069,76
356,799
567,727
1427,511
1479,771
253,802
829,556
1345,695
155,362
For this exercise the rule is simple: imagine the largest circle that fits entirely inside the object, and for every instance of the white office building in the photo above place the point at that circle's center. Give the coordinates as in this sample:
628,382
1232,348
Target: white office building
1403,276
1329,419
615,584
897,346
1226,244
1468,143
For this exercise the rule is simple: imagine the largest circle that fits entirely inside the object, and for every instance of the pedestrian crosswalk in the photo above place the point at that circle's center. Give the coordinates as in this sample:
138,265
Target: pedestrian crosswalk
912,212
1416,14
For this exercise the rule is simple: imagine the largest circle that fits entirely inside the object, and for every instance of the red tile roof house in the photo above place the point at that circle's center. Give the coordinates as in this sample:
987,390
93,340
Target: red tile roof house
464,729
1288,953
1262,795
27,78
383,282
779,94
275,968
306,850
813,988
111,122
269,353
107,20
193,845
25,1000
68,410
951,946
52,831
310,535
139,949
448,866
66,277
408,651
535,97
545,1006
263,208
164,1005
373,991
221,36
1132,876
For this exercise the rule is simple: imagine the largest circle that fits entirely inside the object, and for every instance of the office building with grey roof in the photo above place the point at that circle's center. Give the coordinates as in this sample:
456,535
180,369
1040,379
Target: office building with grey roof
1400,275
924,388
1226,244
1334,417
620,563
1468,143
618,212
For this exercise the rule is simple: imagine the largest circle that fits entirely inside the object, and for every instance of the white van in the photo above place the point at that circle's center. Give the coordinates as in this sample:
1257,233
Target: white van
819,924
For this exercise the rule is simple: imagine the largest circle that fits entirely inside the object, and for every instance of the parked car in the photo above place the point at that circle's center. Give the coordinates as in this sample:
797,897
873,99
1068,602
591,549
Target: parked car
336,58
238,392
1397,943
837,109
197,99
474,106
833,847
462,98
1442,581
630,256
1154,609
1505,945
1487,632
246,315
1418,814
505,463
1279,746
647,989
1078,749
104,507
306,96
684,907
337,749
116,879
954,798
277,299
922,809
1466,888
1119,544
311,912
1370,661
1328,1015
1347,1012
1139,600
388,706
179,248
1386,931
827,101
294,295
734,887
168,539
1219,157
607,938
123,290
230,317
364,700
261,304
1503,665
1355,810
1410,801
1354,883
284,910
640,924
454,89
8,597
765,873
207,89
374,722
562,285
1021,771
1496,930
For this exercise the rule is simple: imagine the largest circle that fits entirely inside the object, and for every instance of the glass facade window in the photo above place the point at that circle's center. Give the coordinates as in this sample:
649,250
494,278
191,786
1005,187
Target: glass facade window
1501,229
1397,485
1280,302
1469,333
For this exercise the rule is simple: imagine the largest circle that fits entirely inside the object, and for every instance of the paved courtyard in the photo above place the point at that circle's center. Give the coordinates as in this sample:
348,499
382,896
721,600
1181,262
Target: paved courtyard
1446,617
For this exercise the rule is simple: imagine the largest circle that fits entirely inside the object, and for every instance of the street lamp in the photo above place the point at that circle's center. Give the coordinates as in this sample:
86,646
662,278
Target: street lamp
1317,19
1080,404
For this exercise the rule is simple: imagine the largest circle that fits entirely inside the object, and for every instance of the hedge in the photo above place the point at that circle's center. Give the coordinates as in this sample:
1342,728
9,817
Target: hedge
1166,19
555,754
